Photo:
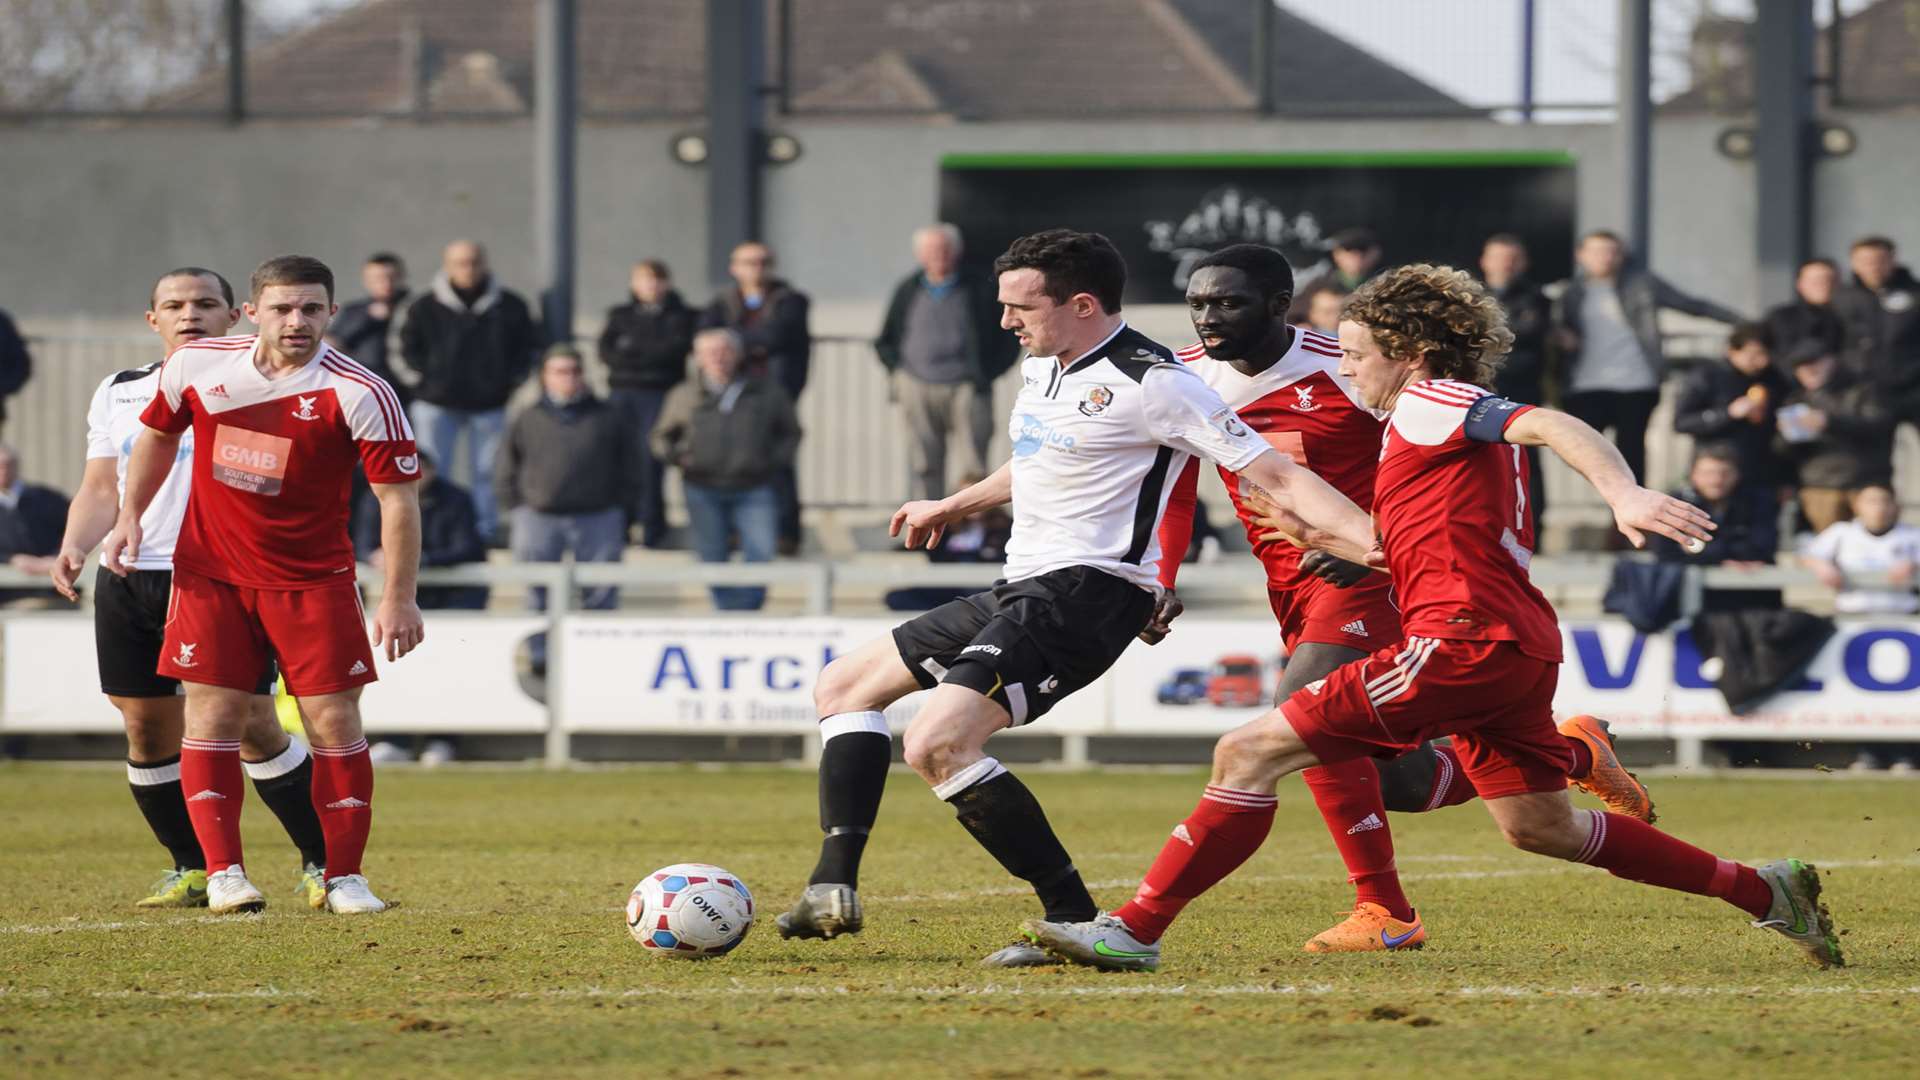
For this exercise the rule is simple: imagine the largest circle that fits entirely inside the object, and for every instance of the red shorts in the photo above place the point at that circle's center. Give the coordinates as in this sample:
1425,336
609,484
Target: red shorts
1362,617
1495,701
222,635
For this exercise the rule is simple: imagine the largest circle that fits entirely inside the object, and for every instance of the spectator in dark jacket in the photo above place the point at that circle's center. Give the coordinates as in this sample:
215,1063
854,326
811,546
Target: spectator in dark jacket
1837,433
942,341
471,343
364,329
771,318
15,363
1747,517
33,518
1354,255
1607,319
1521,377
1318,308
645,345
1880,309
1809,316
730,433
449,536
566,475
1734,403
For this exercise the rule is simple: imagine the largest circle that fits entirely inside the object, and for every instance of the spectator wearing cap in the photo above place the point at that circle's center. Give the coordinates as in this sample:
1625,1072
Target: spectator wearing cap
566,475
1872,543
730,433
16,364
1836,432
1607,320
645,346
1734,402
1355,253
1880,309
470,342
942,342
365,328
1810,315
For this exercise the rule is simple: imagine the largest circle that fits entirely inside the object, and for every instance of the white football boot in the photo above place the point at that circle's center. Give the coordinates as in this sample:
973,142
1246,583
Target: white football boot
348,895
229,891
1103,943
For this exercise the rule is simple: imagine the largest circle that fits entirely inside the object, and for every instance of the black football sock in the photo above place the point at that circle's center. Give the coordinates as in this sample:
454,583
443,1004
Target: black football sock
285,784
1007,820
855,755
156,790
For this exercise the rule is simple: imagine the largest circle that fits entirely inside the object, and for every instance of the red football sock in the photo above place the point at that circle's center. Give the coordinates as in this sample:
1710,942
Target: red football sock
1630,848
1222,832
1348,795
1582,759
343,797
214,787
1450,784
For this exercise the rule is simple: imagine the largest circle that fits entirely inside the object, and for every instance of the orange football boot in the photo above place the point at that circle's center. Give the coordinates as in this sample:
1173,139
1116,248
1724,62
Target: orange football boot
1610,782
1369,929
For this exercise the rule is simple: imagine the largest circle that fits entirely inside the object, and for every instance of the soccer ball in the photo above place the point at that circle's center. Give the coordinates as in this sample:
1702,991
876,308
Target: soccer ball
691,910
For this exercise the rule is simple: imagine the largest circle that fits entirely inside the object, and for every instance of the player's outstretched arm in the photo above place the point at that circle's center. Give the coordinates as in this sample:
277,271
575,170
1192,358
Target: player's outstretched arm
147,469
397,624
921,522
1308,511
1636,510
89,518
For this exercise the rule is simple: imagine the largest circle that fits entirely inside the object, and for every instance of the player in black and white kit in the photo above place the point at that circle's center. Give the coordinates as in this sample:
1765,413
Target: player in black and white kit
1103,424
130,614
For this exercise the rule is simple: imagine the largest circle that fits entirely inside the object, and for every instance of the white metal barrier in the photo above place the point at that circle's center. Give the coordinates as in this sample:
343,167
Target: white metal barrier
638,671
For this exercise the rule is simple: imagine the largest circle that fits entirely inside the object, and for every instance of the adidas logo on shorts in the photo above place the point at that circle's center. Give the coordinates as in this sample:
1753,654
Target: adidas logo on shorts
359,668
1357,627
1367,824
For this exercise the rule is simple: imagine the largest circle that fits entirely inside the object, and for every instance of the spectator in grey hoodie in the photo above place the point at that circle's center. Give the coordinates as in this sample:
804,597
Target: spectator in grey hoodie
566,474
1608,320
731,434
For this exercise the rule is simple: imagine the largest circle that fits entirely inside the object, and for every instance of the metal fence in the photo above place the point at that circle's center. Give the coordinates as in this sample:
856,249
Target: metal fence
472,60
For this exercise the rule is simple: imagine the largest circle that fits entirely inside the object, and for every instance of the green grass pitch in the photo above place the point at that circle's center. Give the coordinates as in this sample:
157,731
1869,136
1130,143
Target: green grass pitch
507,954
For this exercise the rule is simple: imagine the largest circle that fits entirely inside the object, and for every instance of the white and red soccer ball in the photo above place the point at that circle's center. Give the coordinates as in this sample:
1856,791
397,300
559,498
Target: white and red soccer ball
690,910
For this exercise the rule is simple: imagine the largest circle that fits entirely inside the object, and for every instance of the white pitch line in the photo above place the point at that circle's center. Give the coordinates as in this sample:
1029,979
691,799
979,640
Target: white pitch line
1147,989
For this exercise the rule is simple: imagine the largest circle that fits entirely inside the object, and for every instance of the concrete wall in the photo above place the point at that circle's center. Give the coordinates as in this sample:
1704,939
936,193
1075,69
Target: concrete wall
91,213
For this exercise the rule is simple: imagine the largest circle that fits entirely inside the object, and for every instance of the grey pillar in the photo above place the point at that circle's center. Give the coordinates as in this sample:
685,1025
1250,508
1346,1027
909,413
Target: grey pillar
236,61
1783,148
736,50
1633,127
556,105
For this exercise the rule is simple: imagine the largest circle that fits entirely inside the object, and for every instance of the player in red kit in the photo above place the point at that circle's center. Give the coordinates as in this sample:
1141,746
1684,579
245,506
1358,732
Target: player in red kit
264,564
1284,383
1482,649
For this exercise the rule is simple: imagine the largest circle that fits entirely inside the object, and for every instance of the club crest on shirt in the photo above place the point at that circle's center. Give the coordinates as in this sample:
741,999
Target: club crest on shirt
1306,402
305,411
1095,400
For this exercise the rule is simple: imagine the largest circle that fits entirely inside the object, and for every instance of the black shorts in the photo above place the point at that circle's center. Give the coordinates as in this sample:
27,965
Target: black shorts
1045,637
129,624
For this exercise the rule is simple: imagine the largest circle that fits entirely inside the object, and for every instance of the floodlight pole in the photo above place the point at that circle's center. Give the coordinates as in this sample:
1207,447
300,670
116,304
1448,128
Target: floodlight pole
1633,127
236,61
1783,150
555,113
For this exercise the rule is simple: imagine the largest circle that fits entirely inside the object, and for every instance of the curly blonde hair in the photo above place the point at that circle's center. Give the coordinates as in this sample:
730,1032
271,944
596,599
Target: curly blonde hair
1438,313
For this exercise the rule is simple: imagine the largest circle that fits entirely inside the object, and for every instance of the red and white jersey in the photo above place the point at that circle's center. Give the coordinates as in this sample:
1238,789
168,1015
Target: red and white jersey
273,460
1303,408
1452,507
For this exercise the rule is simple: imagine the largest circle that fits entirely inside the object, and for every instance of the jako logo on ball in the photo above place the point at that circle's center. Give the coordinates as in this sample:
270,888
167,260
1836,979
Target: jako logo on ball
690,910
